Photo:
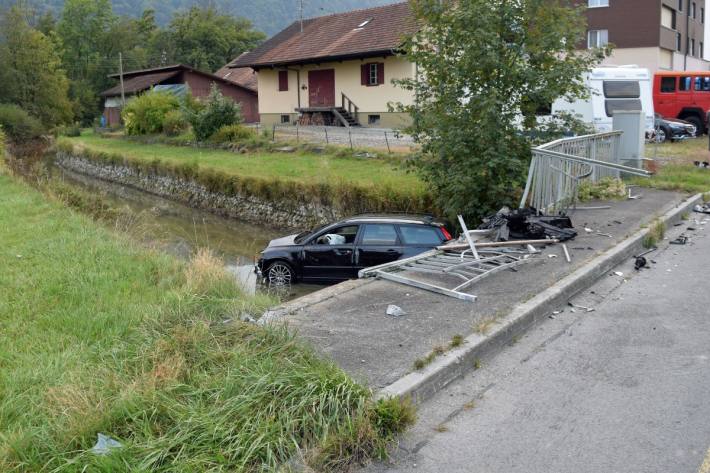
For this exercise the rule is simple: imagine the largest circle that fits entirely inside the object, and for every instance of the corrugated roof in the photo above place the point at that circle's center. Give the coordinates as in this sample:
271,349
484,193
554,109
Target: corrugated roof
336,36
135,84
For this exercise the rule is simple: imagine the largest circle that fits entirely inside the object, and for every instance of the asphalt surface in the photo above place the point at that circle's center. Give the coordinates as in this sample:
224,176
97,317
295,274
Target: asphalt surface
625,388
376,349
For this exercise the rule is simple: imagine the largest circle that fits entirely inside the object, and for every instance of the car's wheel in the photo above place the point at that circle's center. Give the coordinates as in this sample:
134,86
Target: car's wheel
698,123
279,273
662,135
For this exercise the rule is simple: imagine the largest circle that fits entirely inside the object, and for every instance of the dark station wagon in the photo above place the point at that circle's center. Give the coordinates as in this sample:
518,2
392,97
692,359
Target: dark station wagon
337,251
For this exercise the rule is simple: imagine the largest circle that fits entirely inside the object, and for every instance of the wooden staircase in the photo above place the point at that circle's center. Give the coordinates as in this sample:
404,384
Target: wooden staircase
347,112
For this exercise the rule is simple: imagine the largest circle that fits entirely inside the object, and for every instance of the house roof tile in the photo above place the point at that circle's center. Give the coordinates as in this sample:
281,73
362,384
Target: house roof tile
359,33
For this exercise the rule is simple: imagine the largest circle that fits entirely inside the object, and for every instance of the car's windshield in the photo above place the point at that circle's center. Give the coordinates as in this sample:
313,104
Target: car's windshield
301,237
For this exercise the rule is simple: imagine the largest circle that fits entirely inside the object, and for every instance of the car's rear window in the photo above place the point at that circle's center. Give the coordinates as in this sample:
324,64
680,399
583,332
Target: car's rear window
379,234
420,235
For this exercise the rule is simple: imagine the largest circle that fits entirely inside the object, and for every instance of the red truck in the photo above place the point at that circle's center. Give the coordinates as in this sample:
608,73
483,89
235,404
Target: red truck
684,95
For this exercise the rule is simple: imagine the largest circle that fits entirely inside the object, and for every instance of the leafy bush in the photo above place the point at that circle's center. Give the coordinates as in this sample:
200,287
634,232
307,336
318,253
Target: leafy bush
174,123
19,125
2,143
233,134
71,131
219,111
146,113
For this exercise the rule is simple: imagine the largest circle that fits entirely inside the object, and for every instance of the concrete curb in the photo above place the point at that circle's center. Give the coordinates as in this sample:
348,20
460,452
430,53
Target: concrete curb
423,384
300,303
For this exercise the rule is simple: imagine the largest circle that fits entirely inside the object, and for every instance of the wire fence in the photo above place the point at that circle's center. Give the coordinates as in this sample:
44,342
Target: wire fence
353,137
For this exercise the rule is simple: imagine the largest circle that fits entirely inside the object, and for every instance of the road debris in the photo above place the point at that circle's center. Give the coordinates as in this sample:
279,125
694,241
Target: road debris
395,311
604,234
619,273
104,445
567,256
681,240
580,307
703,209
528,224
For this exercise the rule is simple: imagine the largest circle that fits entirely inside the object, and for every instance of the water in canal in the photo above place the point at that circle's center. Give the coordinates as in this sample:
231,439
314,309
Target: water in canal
181,230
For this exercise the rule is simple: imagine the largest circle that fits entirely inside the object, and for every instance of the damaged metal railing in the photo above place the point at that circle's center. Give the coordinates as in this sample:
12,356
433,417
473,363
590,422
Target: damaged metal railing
558,167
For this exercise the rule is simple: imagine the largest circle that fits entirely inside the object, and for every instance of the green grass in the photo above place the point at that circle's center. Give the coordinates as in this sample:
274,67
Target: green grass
300,167
675,169
100,335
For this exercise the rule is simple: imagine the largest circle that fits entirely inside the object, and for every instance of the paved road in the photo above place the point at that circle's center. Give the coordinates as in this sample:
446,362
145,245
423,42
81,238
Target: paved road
625,388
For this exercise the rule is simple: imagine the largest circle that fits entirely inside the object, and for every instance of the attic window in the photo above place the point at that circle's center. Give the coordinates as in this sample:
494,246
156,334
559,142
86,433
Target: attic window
363,24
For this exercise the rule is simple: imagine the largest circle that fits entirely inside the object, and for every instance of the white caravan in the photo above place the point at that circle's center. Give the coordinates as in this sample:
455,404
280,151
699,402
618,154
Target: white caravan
612,88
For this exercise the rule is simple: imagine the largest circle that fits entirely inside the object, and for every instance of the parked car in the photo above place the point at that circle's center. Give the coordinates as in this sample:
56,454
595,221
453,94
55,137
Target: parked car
337,251
673,129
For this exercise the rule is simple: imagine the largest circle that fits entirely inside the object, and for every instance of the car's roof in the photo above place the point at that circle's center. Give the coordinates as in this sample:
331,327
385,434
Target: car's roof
393,218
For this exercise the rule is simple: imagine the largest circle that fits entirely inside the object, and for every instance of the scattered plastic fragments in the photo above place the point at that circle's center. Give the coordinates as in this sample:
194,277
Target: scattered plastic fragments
681,240
581,307
639,263
104,445
703,209
395,311
619,273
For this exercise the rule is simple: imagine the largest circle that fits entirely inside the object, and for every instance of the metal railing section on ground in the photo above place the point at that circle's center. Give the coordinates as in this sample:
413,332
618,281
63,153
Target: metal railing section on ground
442,266
558,167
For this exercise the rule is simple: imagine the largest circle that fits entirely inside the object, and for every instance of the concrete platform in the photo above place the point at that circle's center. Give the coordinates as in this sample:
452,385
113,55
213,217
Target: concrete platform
352,328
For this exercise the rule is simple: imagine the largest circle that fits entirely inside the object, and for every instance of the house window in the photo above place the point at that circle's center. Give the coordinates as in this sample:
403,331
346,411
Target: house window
373,119
372,75
692,47
597,38
283,81
285,118
693,10
680,5
598,3
667,84
678,41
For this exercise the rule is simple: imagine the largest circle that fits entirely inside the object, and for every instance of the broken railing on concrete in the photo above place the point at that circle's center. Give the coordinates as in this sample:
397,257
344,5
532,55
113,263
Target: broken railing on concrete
558,167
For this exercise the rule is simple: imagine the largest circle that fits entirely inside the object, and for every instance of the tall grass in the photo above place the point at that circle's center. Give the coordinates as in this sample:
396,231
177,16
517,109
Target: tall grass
100,335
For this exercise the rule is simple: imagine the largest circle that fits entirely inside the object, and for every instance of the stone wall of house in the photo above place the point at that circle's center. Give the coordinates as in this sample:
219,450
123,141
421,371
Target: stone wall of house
285,214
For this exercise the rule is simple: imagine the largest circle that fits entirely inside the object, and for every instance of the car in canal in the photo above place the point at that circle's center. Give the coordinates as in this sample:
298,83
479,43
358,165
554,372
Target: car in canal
336,252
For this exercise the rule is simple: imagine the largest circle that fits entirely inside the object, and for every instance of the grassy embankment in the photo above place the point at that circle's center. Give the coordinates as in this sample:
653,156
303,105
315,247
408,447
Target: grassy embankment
100,335
349,183
676,170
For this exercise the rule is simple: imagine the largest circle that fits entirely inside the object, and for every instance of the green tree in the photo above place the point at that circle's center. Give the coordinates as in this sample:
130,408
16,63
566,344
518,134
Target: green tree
205,39
484,64
31,74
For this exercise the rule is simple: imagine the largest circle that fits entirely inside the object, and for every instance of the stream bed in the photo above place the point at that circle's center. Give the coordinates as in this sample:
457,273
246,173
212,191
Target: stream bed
181,230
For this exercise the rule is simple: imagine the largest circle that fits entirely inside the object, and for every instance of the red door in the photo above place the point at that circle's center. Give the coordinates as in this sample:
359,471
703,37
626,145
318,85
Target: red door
321,88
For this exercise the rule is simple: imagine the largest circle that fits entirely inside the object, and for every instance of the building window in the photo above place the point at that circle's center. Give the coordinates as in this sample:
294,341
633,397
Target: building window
693,10
702,51
285,118
597,38
372,74
692,47
668,18
666,59
680,5
702,14
373,119
678,42
283,81
598,3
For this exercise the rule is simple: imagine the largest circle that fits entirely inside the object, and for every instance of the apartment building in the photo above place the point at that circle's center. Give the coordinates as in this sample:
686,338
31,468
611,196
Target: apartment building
656,34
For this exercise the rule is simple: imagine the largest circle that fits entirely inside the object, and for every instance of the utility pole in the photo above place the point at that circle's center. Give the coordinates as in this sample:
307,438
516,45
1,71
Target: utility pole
120,73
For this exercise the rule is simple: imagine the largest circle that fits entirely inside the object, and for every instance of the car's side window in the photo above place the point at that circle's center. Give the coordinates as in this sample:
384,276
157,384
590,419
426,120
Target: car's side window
379,234
420,235
339,236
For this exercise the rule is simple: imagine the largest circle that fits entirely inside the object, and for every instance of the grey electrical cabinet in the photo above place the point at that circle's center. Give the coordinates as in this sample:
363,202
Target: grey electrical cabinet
631,123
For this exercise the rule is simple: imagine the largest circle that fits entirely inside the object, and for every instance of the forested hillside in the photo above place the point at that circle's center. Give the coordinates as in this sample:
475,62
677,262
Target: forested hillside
268,16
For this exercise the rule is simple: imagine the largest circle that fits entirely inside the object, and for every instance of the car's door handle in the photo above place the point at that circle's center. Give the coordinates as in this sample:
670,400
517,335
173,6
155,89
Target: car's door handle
392,251
343,252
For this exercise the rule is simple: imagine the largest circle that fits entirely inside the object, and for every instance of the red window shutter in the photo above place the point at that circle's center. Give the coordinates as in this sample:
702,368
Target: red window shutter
283,81
364,73
380,73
